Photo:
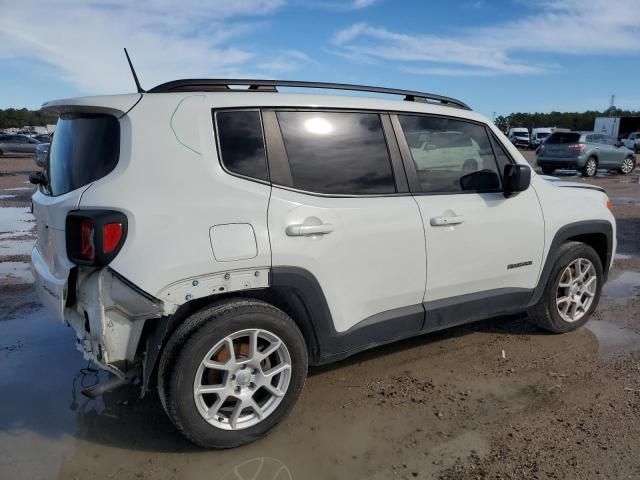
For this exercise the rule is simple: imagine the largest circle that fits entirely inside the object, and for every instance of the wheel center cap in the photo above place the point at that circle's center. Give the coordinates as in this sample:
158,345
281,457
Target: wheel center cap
243,378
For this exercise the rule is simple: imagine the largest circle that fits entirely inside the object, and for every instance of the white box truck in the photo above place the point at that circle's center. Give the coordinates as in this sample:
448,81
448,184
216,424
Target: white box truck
618,127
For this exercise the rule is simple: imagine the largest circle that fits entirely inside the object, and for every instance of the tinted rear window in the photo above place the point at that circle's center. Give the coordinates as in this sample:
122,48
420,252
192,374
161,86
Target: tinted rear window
337,153
84,149
563,137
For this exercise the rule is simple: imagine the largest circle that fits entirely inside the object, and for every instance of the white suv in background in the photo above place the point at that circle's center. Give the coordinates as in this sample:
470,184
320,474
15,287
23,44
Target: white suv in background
214,240
519,136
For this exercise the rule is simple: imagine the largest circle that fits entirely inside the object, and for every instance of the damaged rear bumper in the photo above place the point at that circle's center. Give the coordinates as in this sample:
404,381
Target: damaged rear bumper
108,315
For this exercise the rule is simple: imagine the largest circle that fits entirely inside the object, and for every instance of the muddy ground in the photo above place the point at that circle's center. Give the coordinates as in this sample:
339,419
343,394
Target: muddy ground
448,405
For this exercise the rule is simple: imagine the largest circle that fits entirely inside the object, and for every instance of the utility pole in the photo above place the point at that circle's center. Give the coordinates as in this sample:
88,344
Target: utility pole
611,103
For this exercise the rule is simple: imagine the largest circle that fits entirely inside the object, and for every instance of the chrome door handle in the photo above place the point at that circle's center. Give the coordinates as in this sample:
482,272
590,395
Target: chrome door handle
301,230
444,220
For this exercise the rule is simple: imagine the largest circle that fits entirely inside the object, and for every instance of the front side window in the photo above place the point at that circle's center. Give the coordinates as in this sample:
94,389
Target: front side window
451,156
241,143
84,149
337,153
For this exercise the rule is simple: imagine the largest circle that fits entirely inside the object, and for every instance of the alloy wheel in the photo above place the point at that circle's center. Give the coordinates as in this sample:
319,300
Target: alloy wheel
576,290
242,379
591,167
627,165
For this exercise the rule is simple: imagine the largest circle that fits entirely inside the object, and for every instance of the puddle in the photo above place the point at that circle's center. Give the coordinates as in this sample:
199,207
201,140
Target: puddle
612,339
10,247
623,288
15,273
16,219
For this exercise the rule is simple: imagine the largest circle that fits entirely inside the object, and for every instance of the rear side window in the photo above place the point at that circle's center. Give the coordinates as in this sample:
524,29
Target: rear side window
563,137
463,163
85,148
241,143
337,153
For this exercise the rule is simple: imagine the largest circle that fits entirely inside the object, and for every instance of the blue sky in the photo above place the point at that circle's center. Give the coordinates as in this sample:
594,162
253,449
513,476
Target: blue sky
497,56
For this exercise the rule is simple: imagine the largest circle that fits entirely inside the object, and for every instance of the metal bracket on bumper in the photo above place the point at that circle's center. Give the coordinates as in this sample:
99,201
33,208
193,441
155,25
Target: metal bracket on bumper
108,318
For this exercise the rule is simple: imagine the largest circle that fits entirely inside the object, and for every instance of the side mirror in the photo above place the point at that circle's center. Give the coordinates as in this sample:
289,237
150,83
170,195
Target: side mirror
619,143
37,178
517,178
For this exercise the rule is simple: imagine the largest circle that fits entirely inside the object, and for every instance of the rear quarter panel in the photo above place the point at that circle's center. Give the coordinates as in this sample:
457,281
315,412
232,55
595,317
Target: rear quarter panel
172,187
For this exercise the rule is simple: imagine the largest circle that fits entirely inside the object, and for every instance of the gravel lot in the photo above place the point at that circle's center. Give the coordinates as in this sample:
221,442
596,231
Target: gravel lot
446,405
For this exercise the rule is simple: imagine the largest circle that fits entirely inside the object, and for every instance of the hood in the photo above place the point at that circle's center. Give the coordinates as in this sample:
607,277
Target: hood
561,183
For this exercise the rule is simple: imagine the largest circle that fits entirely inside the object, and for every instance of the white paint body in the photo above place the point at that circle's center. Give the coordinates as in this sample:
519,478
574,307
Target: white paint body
191,223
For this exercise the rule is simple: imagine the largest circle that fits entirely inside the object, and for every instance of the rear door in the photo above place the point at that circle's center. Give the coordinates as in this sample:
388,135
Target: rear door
612,154
480,245
340,209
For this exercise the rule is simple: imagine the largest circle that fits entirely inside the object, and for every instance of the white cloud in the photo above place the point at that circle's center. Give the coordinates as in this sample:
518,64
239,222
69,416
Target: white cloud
338,5
363,3
572,27
166,39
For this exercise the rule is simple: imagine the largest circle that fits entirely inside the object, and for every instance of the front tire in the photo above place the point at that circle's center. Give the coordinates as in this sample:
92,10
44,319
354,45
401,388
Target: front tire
628,165
590,167
232,372
548,170
572,291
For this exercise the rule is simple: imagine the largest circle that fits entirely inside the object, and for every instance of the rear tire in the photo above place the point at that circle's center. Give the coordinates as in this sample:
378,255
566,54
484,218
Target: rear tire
590,167
242,380
548,170
1,153
549,313
628,165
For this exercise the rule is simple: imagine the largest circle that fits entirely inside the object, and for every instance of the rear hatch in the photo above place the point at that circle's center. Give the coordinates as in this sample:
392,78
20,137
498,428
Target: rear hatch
563,145
85,148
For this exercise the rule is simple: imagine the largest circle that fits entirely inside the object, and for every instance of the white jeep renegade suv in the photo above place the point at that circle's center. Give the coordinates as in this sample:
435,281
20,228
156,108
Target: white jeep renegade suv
215,240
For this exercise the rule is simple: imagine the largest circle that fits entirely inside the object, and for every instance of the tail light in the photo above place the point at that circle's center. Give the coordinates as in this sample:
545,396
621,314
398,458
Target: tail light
576,147
94,237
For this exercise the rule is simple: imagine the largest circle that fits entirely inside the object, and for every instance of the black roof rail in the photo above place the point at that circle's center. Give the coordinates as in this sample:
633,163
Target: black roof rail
223,84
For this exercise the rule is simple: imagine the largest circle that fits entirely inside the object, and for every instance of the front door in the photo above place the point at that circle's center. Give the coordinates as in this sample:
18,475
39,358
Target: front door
479,243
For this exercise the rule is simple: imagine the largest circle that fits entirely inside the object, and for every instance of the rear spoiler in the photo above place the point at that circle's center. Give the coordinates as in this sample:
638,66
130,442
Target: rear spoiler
118,105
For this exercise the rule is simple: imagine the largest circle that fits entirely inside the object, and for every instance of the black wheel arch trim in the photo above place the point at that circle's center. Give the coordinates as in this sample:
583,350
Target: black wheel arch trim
575,231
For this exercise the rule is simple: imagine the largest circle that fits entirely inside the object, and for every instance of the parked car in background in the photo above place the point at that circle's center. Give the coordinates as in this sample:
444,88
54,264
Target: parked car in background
538,135
585,152
519,136
17,144
632,142
43,138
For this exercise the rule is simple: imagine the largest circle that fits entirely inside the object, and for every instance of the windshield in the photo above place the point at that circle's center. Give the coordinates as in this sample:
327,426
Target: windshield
84,149
521,134
542,134
563,137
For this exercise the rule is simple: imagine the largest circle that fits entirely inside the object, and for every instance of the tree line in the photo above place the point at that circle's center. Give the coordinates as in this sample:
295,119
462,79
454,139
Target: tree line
570,120
17,118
